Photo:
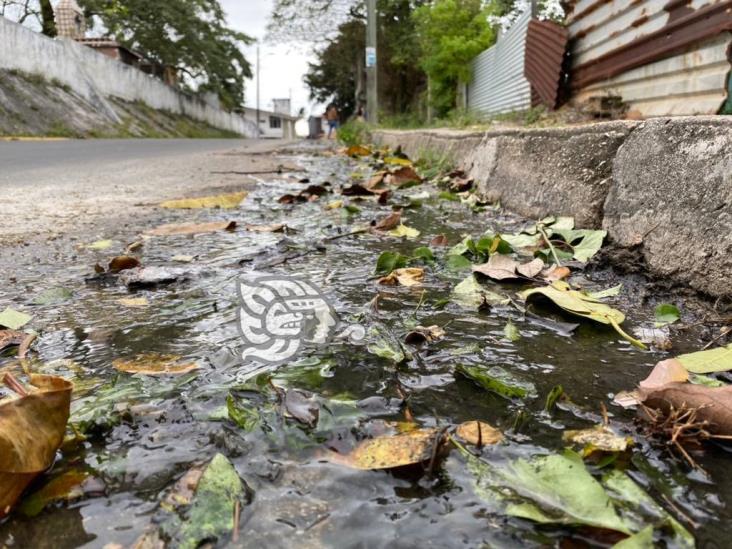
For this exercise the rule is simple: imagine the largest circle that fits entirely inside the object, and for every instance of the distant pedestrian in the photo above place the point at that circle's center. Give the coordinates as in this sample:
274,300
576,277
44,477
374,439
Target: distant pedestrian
332,116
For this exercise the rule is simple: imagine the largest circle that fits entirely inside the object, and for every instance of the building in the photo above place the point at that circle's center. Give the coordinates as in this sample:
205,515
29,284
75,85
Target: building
272,125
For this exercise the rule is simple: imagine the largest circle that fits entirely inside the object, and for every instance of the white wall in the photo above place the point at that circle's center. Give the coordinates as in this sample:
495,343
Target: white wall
96,77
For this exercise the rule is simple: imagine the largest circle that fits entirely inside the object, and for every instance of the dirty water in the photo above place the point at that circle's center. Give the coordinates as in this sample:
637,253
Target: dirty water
146,432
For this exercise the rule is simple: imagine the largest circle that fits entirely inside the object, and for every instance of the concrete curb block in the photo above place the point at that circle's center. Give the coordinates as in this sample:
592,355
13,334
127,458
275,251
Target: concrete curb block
664,185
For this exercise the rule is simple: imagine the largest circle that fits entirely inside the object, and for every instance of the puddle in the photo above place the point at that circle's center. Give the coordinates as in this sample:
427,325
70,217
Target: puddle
148,431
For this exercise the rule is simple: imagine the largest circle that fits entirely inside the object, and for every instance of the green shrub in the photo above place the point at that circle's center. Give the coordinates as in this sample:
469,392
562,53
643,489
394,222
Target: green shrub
354,132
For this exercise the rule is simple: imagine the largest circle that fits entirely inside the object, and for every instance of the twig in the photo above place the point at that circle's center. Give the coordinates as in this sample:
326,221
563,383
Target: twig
14,385
725,332
435,450
551,246
237,516
419,305
25,345
360,230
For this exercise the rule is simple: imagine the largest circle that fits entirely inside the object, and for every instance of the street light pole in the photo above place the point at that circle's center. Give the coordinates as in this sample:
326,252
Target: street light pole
372,86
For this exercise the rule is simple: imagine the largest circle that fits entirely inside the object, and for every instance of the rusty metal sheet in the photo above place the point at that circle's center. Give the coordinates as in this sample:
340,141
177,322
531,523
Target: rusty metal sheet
546,45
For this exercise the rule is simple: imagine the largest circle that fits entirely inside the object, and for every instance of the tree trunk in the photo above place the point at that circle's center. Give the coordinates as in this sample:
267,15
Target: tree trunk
48,22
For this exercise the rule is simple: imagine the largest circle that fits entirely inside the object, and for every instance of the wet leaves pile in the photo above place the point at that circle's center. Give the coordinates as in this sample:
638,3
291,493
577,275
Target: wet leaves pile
491,346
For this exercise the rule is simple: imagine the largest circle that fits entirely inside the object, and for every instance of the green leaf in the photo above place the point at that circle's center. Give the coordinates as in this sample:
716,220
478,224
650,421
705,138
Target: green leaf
497,380
211,514
698,379
245,417
666,314
445,195
709,361
517,241
53,296
389,261
351,209
590,244
583,305
471,295
458,263
641,540
563,224
510,332
423,253
382,343
610,292
554,395
10,318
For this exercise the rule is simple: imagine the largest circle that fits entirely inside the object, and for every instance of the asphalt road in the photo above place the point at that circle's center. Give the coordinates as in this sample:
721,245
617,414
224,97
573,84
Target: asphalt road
19,157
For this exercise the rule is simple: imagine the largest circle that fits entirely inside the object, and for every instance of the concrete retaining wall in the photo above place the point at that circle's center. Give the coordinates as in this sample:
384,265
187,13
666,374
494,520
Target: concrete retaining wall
96,77
663,186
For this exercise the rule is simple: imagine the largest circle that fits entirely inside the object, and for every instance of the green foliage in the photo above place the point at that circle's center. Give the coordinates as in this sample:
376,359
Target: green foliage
451,33
190,35
354,132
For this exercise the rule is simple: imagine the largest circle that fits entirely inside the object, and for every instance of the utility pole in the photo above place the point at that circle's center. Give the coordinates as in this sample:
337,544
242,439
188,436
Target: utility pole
372,85
257,123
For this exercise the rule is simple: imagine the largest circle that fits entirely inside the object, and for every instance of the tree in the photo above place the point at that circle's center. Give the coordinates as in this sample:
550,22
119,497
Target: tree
451,33
190,35
30,12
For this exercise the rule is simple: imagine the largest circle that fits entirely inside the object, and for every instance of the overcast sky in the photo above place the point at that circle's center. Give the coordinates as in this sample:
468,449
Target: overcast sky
283,66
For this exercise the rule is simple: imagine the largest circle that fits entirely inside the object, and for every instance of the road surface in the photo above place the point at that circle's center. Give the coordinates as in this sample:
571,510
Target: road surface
49,187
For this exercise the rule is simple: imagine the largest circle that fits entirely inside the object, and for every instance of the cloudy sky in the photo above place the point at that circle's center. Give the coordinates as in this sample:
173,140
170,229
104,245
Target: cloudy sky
282,66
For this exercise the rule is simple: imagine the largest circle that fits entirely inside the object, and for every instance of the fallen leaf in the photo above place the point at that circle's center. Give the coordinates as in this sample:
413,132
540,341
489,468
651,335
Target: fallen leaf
712,404
389,261
53,296
32,428
423,253
210,516
389,452
154,364
499,267
497,380
666,371
192,228
421,335
461,185
479,433
336,204
439,240
134,301
411,276
358,150
389,222
599,438
554,273
531,269
100,245
510,332
704,362
518,241
182,258
666,314
610,292
123,263
580,304
403,175
660,338
361,190
274,228
396,161
404,231
9,338
470,294
302,406
10,318
66,487
590,244
223,201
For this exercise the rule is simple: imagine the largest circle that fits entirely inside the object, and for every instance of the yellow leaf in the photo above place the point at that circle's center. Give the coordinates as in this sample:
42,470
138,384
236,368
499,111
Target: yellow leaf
154,364
395,161
334,205
478,433
225,201
404,231
411,276
100,245
358,150
134,301
388,452
600,438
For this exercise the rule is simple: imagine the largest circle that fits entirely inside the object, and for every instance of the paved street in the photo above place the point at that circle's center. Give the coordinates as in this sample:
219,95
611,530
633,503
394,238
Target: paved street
53,186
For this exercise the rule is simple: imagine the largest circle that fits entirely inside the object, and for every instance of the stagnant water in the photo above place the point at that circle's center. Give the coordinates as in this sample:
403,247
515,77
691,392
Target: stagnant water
159,427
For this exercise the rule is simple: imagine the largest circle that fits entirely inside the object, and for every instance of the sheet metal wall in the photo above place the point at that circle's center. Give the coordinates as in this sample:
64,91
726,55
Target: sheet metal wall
661,56
498,84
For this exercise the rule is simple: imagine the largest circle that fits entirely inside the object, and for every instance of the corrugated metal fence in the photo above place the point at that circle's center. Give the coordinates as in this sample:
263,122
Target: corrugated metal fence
498,84
660,56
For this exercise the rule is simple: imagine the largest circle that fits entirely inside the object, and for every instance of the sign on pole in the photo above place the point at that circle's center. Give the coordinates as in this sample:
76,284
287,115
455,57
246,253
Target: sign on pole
370,57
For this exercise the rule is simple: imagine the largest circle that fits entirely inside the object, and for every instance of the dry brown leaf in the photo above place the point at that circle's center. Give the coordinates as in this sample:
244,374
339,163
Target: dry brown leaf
8,338
712,404
531,269
499,267
32,428
375,180
154,364
389,222
388,452
439,240
400,176
554,273
666,371
411,276
122,263
192,228
357,150
478,433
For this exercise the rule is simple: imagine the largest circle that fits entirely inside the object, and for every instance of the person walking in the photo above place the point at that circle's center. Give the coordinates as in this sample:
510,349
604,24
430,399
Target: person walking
332,116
